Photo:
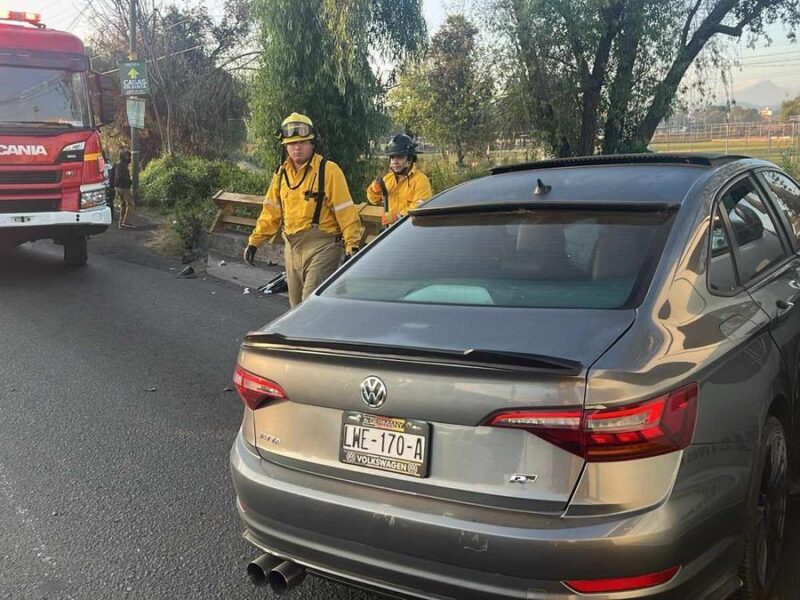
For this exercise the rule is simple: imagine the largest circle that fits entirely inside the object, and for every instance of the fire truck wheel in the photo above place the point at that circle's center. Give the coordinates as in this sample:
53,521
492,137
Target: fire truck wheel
75,253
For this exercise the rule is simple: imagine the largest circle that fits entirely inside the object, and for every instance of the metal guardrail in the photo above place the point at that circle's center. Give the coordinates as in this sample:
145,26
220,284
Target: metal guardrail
228,202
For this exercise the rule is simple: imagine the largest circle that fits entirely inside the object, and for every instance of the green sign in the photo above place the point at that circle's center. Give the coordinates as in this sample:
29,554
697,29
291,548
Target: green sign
133,75
136,107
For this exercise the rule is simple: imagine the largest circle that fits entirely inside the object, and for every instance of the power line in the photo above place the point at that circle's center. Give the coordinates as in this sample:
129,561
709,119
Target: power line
48,7
793,52
79,15
162,57
64,12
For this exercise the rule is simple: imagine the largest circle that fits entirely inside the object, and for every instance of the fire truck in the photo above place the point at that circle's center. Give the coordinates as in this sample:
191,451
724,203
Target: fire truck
51,164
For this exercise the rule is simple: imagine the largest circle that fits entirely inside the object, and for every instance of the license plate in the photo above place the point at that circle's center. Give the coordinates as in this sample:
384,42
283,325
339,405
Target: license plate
385,443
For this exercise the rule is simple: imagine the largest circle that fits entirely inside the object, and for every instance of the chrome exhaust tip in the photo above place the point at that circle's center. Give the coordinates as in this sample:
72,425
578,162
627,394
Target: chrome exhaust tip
286,576
258,570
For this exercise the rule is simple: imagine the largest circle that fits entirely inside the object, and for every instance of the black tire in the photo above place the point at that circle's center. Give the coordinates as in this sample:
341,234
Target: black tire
767,514
75,251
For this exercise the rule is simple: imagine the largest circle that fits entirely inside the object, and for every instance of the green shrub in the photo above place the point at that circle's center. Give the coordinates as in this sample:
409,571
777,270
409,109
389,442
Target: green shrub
444,173
791,164
172,180
233,178
193,219
185,186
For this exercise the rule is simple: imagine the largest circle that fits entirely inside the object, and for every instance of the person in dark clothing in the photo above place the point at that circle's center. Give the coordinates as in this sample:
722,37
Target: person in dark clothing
123,183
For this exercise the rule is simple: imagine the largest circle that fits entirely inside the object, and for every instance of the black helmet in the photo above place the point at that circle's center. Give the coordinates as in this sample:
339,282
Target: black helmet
402,144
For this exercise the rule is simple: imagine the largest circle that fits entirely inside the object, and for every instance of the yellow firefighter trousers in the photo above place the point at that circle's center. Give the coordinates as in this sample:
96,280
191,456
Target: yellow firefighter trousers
311,256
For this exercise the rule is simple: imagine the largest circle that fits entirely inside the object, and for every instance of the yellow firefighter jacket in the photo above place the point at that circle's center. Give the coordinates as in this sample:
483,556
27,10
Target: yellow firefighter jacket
293,208
405,192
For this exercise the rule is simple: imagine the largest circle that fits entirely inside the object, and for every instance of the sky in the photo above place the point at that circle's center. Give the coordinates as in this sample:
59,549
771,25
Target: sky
778,63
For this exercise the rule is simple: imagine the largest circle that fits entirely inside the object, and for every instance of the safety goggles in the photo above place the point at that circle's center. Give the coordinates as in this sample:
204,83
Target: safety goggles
296,130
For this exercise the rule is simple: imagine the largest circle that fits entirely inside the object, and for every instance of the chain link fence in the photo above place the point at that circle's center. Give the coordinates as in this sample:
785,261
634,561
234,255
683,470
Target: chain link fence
769,140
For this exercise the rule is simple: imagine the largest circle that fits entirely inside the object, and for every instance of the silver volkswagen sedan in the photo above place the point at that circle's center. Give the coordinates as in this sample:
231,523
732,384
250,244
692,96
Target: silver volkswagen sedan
568,379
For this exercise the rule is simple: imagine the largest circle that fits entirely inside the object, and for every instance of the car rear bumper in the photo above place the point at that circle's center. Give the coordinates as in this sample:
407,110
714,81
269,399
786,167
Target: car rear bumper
427,548
58,224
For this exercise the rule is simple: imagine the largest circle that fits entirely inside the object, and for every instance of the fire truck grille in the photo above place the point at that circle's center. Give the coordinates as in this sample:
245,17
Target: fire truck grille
28,206
22,177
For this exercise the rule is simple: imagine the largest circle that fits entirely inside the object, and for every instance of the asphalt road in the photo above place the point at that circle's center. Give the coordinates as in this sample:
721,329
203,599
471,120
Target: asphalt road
115,426
115,430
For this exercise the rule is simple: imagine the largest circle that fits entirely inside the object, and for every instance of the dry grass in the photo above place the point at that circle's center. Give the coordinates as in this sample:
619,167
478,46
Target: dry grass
164,240
756,147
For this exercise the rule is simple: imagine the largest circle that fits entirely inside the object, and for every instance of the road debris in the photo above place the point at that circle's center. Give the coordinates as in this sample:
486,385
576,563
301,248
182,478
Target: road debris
187,273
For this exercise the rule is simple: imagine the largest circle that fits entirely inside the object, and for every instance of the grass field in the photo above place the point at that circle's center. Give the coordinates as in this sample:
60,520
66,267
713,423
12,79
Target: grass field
757,147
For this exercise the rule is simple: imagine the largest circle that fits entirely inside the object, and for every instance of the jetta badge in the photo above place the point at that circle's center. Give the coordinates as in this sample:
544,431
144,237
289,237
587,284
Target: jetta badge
373,392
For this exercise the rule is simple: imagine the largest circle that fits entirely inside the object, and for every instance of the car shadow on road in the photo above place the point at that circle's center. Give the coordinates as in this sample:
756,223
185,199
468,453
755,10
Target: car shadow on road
788,585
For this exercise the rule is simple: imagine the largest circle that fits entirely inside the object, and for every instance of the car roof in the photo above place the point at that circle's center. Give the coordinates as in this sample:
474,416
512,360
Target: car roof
634,180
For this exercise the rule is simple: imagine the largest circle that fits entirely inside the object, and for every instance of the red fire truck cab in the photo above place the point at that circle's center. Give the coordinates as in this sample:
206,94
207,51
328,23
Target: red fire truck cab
51,164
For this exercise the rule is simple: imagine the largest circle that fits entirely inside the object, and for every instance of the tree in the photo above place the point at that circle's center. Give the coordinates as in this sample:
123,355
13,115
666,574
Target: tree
721,114
790,108
739,114
410,102
591,74
316,59
449,97
197,103
460,90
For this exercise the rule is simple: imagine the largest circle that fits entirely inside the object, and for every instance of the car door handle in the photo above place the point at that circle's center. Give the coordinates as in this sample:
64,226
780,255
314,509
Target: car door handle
783,305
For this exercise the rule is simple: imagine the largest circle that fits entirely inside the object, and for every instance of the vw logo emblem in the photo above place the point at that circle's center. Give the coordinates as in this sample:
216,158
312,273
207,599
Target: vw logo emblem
373,392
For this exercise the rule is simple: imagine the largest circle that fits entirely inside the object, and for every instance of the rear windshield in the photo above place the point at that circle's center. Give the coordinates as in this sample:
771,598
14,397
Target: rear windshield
532,259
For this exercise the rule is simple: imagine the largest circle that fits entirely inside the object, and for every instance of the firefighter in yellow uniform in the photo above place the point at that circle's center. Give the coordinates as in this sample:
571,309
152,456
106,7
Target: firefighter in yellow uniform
404,187
310,201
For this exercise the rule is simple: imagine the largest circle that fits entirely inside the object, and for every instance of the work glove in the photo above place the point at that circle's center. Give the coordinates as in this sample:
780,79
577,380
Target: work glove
250,255
348,254
376,185
389,218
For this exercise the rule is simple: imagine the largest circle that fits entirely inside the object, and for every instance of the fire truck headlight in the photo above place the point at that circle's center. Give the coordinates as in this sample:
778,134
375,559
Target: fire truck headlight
93,199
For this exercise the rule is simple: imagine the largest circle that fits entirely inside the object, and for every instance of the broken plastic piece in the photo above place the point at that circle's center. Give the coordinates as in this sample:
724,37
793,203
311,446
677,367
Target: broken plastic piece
276,285
188,272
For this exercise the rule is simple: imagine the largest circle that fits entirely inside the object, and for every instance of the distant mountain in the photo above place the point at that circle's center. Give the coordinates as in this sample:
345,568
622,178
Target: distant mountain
762,94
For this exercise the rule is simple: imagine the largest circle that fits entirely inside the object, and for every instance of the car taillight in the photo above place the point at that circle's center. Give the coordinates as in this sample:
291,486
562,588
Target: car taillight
658,426
621,584
92,160
559,427
255,390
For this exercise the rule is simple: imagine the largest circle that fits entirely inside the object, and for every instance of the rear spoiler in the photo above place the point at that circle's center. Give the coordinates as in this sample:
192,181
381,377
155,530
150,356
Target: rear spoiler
459,209
473,357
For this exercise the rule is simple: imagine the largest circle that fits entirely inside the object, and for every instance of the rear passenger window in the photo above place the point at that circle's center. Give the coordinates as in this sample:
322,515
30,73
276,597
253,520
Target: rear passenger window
786,195
721,275
755,234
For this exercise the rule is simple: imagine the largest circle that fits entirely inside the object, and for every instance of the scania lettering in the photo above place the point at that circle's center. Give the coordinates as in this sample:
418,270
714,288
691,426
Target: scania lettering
22,150
51,163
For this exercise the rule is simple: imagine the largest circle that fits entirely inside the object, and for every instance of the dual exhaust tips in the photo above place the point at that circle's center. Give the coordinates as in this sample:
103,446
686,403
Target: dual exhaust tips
281,575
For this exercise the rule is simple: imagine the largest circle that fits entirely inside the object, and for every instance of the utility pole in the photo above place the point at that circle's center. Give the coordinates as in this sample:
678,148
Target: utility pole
134,132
